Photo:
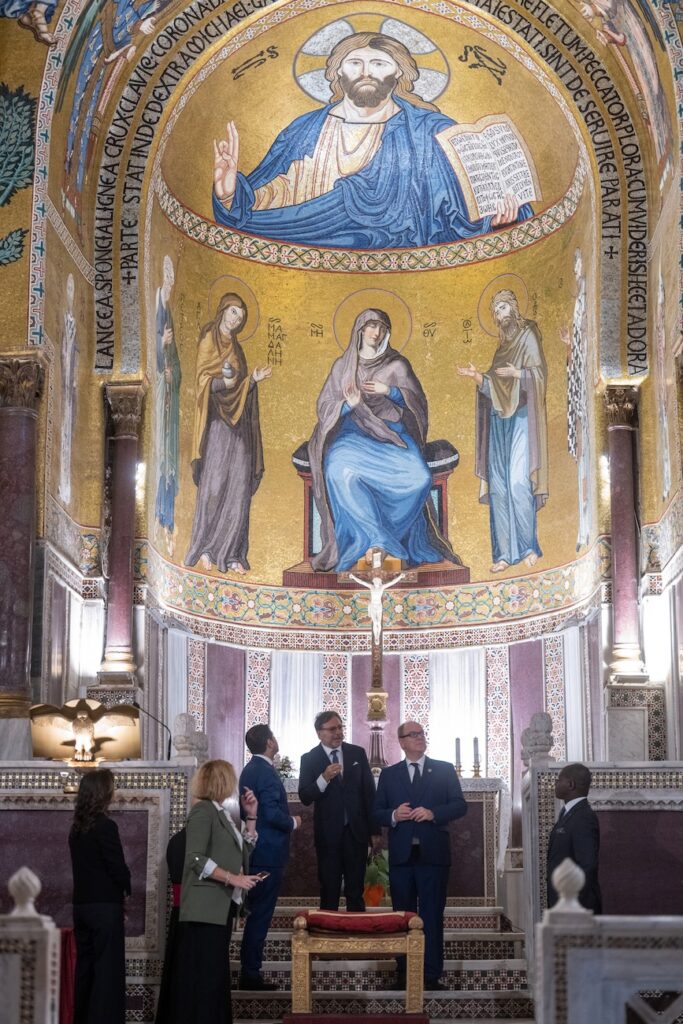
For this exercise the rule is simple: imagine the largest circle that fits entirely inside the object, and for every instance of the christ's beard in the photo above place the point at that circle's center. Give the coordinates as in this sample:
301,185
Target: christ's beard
508,327
367,92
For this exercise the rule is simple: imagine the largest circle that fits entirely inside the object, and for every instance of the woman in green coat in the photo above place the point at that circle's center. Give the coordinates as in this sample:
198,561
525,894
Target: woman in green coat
215,880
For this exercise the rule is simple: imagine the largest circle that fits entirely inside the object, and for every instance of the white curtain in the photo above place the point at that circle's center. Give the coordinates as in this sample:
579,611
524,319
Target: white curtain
296,693
574,703
176,675
457,705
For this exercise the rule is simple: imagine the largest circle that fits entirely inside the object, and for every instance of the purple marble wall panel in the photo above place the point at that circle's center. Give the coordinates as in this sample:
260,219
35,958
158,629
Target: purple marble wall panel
55,689
527,696
640,861
40,840
466,877
467,855
225,702
361,680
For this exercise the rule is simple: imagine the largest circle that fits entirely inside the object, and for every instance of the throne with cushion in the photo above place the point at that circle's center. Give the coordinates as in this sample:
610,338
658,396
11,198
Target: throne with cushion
442,458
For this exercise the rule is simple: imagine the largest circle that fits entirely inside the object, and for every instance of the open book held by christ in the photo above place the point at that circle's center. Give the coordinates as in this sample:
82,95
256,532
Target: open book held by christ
490,159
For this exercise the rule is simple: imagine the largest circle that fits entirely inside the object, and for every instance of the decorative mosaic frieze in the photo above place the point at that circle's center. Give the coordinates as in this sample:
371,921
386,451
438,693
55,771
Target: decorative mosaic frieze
196,680
498,713
487,603
415,690
553,682
408,641
652,698
80,545
662,542
451,254
336,684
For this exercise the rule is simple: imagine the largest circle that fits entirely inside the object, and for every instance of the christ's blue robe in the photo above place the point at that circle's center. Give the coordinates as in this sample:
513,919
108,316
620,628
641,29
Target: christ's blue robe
407,195
15,8
377,493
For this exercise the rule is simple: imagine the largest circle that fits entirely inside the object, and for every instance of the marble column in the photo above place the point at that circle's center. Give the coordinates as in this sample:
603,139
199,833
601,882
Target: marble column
622,422
125,407
21,385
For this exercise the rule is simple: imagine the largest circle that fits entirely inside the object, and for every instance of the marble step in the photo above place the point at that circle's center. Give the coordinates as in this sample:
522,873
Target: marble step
460,1006
470,945
367,977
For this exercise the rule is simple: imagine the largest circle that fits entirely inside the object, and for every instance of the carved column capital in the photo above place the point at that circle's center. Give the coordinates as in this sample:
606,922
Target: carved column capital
621,403
21,383
125,403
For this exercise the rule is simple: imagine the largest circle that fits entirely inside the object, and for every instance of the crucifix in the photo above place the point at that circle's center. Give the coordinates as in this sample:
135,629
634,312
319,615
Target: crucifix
377,695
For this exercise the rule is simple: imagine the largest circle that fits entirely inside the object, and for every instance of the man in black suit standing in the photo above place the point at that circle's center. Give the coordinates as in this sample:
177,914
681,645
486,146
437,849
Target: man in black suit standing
576,834
335,777
416,799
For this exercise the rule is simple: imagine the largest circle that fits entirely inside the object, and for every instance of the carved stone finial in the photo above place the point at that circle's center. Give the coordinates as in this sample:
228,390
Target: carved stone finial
125,402
537,738
621,403
21,383
568,879
24,887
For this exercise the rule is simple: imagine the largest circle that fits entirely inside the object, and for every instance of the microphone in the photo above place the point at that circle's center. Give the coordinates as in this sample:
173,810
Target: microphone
155,719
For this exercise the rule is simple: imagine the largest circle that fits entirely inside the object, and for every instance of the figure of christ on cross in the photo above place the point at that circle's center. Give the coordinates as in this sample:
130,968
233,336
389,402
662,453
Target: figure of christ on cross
376,588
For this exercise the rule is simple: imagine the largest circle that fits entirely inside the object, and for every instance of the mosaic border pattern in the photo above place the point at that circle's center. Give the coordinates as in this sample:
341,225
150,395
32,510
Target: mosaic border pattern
412,641
652,698
86,270
498,714
483,603
40,210
452,254
553,685
336,684
663,540
81,545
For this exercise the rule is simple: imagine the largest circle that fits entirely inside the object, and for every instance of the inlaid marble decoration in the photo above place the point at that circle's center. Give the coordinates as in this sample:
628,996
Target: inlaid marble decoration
196,680
258,689
336,684
415,690
553,679
498,713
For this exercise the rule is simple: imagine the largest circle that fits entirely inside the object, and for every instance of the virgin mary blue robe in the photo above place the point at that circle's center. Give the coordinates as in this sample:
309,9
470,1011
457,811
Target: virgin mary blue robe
406,196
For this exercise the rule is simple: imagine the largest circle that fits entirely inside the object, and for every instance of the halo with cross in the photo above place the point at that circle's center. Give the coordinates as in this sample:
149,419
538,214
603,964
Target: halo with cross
310,61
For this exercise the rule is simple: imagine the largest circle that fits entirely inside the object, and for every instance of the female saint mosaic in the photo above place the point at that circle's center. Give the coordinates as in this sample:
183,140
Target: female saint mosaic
227,451
371,482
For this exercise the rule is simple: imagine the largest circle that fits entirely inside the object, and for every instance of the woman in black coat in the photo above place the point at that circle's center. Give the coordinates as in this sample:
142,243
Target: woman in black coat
101,883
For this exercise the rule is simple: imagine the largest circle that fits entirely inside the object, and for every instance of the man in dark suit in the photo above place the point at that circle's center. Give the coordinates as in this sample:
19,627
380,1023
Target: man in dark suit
335,777
274,824
576,834
416,799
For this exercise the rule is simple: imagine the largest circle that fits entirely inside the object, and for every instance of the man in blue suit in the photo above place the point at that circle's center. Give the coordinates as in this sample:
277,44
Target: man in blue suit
335,777
416,799
274,824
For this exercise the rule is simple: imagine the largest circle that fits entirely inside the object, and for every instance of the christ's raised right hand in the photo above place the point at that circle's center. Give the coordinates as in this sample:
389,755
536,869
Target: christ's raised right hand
225,160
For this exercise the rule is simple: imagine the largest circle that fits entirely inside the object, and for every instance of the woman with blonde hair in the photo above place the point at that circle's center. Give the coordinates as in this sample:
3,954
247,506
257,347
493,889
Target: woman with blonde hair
214,883
227,452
